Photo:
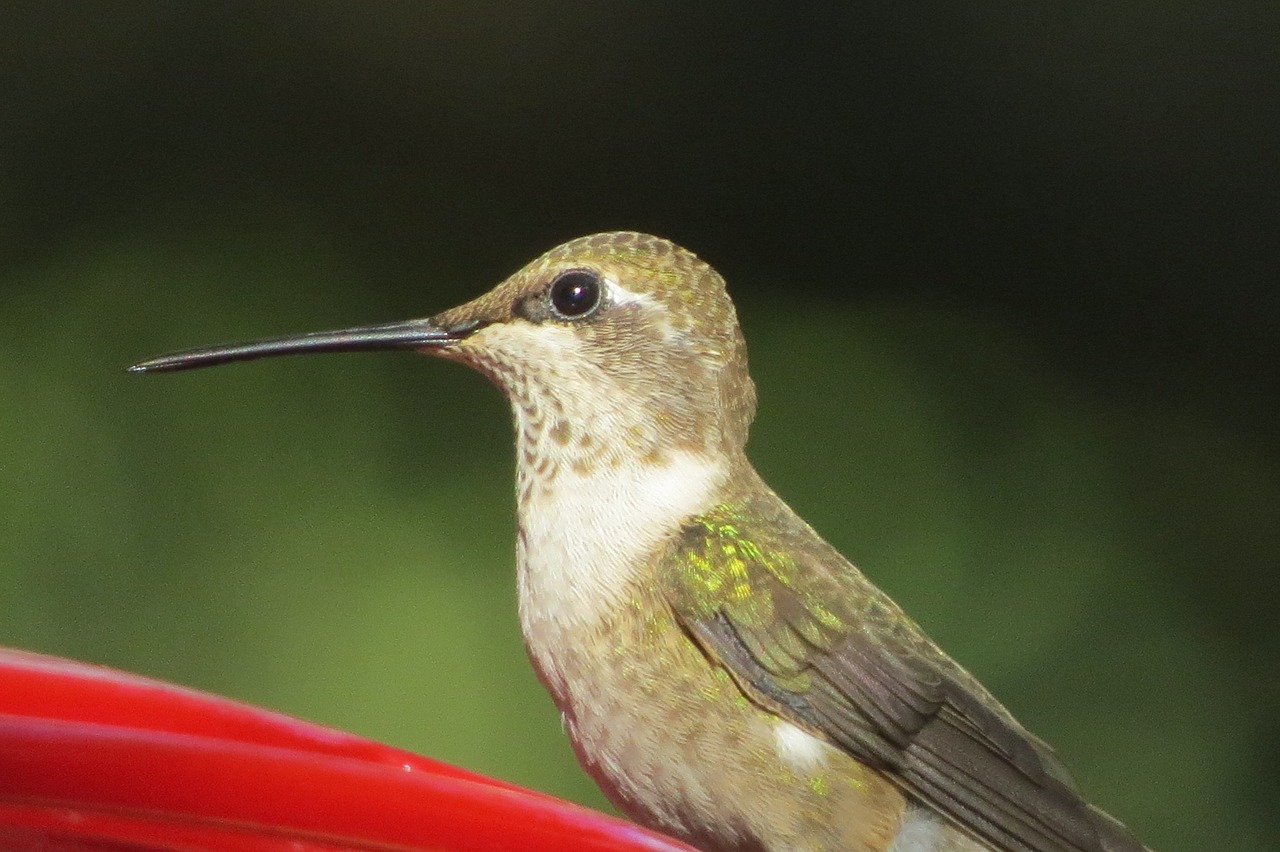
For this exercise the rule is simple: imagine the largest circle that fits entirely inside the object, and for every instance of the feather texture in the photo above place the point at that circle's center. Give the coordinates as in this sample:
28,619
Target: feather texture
808,637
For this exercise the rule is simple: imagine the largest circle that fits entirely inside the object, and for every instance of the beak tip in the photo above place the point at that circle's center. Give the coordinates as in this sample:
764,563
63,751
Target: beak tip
152,365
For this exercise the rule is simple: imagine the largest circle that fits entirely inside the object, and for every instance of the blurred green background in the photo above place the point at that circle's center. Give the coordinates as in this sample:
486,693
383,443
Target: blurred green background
1008,274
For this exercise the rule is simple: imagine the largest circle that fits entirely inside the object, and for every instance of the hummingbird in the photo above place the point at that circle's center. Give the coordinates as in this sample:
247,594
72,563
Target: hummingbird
723,673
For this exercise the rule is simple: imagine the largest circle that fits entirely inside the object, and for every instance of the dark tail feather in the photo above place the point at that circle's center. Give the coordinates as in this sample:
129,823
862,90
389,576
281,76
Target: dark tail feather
1112,834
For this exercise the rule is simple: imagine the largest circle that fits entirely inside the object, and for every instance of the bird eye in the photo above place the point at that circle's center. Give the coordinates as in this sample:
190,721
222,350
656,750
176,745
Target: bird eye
575,293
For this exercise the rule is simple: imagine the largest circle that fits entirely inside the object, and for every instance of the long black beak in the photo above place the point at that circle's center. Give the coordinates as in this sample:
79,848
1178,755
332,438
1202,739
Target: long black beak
414,334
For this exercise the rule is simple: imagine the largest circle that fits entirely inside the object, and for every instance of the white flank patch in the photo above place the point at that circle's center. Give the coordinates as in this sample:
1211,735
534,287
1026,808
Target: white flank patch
921,831
799,749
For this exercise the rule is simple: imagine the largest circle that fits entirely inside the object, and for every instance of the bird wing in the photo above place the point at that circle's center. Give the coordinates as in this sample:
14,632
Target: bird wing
808,637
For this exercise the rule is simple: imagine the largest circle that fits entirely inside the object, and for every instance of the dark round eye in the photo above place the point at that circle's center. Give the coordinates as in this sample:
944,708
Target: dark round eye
575,293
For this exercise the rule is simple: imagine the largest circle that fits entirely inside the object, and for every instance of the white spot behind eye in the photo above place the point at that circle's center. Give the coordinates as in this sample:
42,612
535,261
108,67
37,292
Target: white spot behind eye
620,295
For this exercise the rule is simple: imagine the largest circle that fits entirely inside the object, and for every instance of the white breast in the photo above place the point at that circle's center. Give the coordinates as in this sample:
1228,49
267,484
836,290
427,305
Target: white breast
584,537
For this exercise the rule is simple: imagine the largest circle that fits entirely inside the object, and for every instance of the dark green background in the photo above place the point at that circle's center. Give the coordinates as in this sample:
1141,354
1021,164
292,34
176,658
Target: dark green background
1008,272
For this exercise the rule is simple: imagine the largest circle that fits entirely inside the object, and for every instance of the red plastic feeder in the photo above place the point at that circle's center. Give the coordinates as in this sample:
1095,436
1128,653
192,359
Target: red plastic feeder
96,759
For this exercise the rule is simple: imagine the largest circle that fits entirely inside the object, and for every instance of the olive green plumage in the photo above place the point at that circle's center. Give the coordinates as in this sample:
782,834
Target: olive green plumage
807,636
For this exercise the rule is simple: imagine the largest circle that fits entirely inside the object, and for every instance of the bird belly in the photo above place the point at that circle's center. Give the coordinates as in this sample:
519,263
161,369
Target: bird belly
676,745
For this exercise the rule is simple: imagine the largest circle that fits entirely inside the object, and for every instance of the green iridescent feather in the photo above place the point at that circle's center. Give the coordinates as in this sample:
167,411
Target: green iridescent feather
807,636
